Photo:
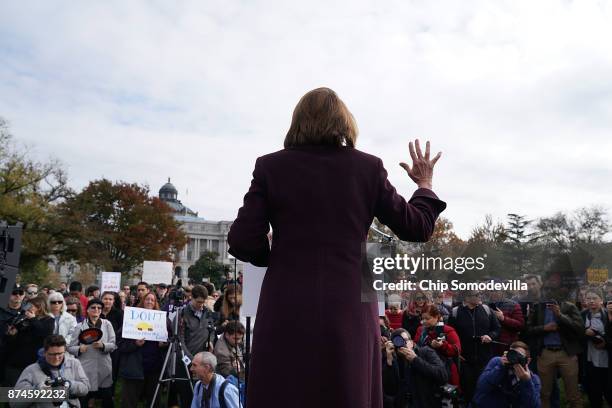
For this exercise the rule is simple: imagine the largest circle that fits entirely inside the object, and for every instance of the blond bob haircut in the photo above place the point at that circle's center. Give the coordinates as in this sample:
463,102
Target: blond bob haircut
321,118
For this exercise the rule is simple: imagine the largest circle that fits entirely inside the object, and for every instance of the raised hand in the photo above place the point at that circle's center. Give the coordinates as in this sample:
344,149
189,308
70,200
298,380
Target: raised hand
421,171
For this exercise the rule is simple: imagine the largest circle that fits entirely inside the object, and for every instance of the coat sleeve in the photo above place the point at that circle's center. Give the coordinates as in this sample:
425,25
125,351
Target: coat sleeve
428,364
529,392
248,235
413,221
25,382
111,344
73,347
231,397
494,326
491,377
79,387
571,320
514,320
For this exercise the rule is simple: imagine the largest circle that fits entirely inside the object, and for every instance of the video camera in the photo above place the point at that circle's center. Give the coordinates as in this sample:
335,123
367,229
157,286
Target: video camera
20,321
57,382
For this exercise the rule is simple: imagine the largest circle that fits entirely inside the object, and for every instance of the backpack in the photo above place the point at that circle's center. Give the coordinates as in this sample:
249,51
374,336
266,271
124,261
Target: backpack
240,385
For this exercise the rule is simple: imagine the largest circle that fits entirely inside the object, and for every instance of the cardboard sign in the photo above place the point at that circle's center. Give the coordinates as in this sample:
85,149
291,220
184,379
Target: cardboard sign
154,272
111,282
595,275
139,323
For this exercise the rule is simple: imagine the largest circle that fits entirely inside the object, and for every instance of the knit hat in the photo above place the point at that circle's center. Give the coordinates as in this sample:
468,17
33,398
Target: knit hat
95,301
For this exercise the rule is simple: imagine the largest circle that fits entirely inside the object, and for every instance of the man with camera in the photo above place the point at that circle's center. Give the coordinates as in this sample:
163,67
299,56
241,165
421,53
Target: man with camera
8,315
554,330
228,350
507,382
55,369
412,376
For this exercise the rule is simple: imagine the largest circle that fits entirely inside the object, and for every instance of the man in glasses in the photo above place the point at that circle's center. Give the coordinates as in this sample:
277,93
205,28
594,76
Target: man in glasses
7,313
57,371
31,291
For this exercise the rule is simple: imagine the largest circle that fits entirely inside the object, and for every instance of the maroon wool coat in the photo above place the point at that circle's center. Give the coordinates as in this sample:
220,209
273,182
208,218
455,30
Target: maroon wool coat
315,344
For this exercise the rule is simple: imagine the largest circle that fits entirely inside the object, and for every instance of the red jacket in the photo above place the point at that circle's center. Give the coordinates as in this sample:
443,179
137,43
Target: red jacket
512,324
395,320
448,352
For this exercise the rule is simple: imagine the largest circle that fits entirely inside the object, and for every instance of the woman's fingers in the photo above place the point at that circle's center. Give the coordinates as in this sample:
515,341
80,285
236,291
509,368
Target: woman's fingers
435,159
412,153
418,149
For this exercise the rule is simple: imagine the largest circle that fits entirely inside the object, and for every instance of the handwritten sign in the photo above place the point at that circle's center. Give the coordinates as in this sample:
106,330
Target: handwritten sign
595,275
157,272
111,282
139,323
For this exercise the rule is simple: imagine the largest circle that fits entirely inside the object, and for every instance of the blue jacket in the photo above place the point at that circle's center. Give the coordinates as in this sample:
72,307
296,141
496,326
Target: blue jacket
495,389
231,394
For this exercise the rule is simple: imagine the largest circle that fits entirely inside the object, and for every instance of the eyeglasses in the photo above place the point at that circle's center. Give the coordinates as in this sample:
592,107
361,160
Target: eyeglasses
72,310
95,307
56,354
57,302
32,293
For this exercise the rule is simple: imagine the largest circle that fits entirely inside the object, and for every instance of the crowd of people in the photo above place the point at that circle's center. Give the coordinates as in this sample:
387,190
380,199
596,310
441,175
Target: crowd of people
45,343
499,349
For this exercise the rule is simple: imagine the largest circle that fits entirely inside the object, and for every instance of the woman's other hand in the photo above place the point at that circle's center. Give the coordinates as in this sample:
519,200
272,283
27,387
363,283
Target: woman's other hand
421,171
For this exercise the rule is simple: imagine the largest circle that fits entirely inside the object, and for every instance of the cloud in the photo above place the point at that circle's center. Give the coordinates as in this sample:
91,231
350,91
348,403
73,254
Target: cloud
517,94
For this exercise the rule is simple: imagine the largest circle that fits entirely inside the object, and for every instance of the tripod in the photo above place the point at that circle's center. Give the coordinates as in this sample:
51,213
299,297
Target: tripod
174,348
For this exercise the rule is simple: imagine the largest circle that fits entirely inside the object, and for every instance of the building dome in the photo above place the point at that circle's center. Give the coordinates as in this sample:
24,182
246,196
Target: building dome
168,191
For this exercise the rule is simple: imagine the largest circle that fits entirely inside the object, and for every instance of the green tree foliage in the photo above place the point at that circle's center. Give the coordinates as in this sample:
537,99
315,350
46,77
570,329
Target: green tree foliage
117,226
207,266
30,191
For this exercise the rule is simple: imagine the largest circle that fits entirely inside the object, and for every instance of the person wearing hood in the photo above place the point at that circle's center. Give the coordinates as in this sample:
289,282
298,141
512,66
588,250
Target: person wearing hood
64,322
95,357
54,365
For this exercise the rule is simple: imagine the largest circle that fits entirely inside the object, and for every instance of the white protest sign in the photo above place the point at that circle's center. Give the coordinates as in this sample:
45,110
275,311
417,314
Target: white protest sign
111,282
252,278
139,323
157,272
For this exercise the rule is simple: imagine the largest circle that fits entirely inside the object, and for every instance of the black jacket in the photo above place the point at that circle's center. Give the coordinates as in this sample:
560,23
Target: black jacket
22,348
419,380
470,325
571,328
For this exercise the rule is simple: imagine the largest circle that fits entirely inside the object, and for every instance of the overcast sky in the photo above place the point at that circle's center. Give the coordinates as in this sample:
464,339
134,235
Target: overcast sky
517,94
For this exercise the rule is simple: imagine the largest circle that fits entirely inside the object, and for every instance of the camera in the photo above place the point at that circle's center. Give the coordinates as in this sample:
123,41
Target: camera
20,321
441,337
514,357
398,341
57,382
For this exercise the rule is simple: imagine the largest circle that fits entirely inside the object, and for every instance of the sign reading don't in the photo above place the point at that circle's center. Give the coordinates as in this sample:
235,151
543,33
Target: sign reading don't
139,323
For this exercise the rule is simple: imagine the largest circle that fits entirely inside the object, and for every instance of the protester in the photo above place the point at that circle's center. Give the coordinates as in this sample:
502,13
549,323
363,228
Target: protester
76,290
162,295
442,338
114,315
211,387
510,317
92,292
31,291
95,357
228,350
597,323
73,306
140,364
230,308
411,319
507,382
24,340
394,314
412,375
196,333
64,322
554,329
141,290
477,326
55,365
122,299
7,314
438,300
63,289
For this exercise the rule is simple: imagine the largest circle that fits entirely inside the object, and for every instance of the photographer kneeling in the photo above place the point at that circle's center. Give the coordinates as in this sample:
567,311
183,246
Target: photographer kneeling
507,381
412,375
55,369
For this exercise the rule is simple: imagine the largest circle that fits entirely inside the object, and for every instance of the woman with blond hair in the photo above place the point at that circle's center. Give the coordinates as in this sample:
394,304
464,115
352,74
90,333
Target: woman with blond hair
64,322
320,195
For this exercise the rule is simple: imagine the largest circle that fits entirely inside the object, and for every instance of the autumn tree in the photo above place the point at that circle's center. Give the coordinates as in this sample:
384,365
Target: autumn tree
117,226
30,191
